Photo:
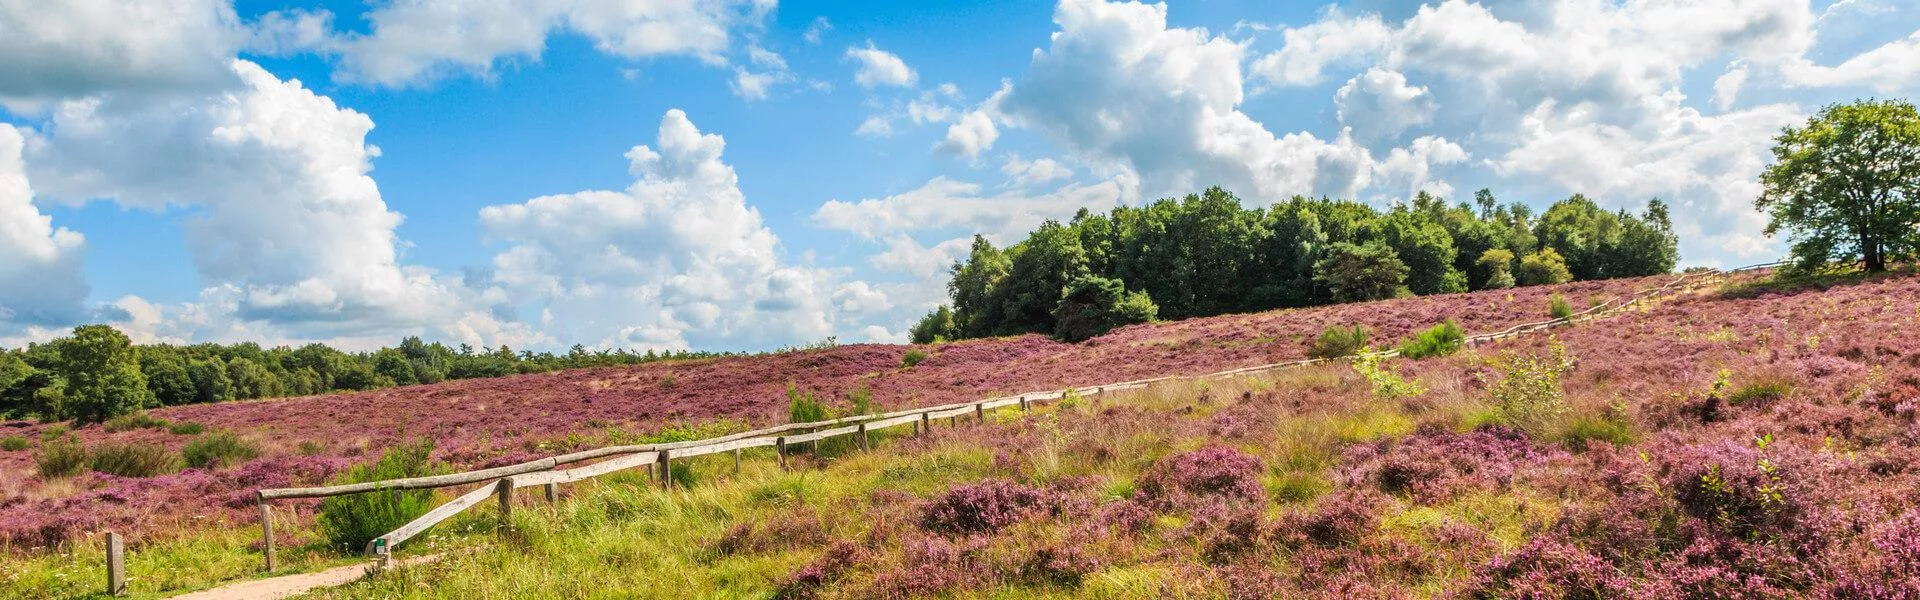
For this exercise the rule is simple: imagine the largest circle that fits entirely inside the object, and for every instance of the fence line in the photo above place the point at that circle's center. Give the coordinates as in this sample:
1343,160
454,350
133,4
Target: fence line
501,481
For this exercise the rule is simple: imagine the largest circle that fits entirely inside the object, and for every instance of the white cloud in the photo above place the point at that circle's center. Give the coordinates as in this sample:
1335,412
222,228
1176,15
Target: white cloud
875,126
880,68
415,40
904,255
1726,88
678,259
1378,104
971,135
751,85
815,30
41,282
1335,40
1890,68
57,50
946,204
290,236
1023,173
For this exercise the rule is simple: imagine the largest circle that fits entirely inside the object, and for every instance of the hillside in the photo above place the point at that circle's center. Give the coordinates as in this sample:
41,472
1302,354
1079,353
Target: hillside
1749,441
488,422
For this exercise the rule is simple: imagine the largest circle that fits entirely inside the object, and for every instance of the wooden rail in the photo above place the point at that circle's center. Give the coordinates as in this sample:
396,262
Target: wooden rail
501,481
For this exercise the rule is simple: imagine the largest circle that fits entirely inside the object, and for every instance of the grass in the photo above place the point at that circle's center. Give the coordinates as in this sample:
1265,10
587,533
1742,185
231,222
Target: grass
219,449
14,443
913,358
1336,342
1558,307
60,458
135,420
1439,340
133,460
160,566
186,428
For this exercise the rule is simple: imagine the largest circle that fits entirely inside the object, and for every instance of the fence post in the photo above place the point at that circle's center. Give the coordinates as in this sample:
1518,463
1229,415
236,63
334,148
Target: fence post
1024,407
116,565
266,529
780,448
736,460
865,444
924,427
553,492
980,412
666,470
505,490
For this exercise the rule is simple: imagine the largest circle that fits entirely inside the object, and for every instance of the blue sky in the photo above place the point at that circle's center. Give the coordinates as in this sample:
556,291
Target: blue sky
745,174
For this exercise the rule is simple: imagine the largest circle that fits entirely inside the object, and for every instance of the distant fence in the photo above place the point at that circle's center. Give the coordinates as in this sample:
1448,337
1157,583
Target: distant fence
500,482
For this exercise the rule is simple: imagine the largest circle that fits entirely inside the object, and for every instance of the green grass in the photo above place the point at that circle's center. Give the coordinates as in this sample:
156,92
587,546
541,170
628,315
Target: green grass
219,449
186,428
133,460
135,420
60,458
1439,340
14,443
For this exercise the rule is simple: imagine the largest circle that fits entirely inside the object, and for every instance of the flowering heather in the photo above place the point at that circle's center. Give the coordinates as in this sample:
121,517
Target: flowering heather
1433,464
984,507
1184,479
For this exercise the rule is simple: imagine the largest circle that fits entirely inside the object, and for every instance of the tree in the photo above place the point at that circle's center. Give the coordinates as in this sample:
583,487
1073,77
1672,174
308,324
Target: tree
210,380
937,326
1425,247
972,288
1544,268
1582,233
166,377
1646,245
250,380
393,365
1498,265
14,372
1042,266
1093,306
102,374
1846,186
1364,272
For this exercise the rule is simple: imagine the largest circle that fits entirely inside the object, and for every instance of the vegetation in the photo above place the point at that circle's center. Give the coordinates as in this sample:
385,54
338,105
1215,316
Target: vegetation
1206,255
1439,340
13,443
60,458
1336,342
186,428
1846,186
219,449
912,358
135,420
133,460
1558,307
349,522
802,407
1527,394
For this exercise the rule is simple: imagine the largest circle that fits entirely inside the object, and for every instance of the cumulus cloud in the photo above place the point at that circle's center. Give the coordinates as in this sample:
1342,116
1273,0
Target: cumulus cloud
1380,104
752,84
969,136
1335,40
1023,173
676,260
416,40
40,280
878,68
815,30
57,50
948,204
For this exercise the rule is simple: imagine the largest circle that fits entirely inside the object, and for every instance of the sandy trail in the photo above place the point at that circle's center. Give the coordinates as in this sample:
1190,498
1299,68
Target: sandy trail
287,586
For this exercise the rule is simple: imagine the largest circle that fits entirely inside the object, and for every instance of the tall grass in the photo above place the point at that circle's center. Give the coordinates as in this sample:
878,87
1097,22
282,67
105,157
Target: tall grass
1335,342
349,522
219,449
13,443
1439,340
133,460
1558,307
60,458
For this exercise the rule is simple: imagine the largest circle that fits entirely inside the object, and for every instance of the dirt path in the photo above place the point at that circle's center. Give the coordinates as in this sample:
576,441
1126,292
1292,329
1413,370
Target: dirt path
287,586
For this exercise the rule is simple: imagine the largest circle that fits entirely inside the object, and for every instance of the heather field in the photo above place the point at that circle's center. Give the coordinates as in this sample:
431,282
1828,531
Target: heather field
491,422
1752,441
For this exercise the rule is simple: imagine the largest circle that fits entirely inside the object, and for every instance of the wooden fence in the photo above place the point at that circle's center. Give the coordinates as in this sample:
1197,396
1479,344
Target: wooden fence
500,482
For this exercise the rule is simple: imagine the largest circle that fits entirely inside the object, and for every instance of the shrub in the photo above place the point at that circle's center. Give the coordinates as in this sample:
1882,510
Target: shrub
133,460
982,507
60,458
1528,395
1498,265
13,443
1558,307
913,358
938,326
1759,392
1092,306
219,449
350,521
1336,342
802,407
1439,340
1213,471
1543,268
862,400
1386,384
1353,273
1581,431
53,433
135,420
186,428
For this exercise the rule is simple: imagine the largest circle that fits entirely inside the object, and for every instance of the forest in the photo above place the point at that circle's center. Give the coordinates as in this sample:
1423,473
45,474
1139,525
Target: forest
1206,254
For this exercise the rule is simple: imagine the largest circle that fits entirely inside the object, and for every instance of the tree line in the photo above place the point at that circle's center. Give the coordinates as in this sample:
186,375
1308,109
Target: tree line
98,373
1206,254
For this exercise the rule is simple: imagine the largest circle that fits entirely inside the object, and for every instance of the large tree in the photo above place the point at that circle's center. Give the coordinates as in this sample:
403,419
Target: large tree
1846,187
102,374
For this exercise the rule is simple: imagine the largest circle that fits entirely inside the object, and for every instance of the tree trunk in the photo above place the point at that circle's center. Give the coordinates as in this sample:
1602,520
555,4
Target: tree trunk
1875,258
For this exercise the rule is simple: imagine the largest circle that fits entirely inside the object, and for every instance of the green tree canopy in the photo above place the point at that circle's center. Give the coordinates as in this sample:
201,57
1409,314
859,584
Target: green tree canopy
1095,305
1353,273
102,374
1545,267
1846,186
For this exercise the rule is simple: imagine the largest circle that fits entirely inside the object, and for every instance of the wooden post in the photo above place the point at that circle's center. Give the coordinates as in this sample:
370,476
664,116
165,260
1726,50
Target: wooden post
116,565
666,470
980,412
266,531
1024,406
553,492
736,461
865,444
954,420
780,448
505,491
924,427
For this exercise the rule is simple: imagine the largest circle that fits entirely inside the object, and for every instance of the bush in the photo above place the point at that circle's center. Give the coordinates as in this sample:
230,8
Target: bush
1439,340
133,460
13,443
861,400
1211,472
1760,392
1581,431
983,507
1528,395
803,408
1545,267
186,428
1353,273
1387,384
1558,307
1498,265
219,449
60,458
1336,342
913,358
938,326
349,522
132,421
1093,306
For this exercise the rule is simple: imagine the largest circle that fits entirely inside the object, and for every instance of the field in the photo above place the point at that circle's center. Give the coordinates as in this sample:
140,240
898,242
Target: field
1748,440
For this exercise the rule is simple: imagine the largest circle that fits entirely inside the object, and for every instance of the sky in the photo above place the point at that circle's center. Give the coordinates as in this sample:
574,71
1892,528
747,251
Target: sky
746,175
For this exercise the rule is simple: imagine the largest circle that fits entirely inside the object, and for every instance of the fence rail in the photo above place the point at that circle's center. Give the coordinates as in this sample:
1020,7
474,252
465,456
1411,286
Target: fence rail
501,481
